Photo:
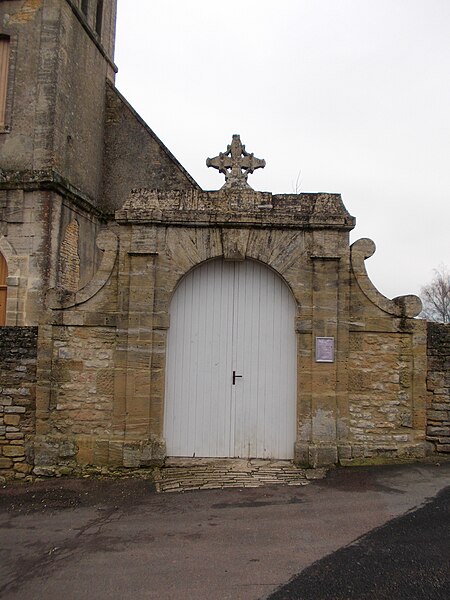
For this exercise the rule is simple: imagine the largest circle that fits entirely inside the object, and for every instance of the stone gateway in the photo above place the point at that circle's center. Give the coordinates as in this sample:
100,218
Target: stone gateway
231,363
143,317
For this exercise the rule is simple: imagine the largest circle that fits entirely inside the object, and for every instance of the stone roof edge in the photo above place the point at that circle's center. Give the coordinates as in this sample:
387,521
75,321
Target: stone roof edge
238,207
153,134
49,180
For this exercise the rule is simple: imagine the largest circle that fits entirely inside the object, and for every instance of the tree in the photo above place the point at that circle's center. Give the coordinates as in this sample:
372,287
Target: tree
436,296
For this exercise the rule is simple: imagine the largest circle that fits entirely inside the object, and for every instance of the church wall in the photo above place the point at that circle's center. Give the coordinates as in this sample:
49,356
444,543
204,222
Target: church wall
83,248
33,226
79,88
134,157
24,27
57,79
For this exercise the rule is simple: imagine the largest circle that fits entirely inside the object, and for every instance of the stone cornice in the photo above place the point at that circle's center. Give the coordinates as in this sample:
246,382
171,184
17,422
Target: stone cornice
48,180
241,208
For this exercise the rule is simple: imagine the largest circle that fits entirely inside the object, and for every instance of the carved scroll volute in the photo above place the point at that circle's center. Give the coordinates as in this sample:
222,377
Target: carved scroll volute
60,299
401,306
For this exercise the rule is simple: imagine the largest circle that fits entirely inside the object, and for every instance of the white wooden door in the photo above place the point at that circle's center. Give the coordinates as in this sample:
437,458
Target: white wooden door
227,318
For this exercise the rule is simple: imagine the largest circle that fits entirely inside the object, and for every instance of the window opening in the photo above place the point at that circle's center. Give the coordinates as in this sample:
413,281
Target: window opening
3,289
4,63
99,17
85,7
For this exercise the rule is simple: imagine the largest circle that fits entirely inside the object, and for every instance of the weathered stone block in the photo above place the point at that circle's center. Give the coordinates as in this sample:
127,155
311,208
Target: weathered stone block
344,452
101,452
67,449
14,436
438,431
322,456
153,453
44,471
301,454
13,451
85,455
115,454
11,419
443,447
437,415
5,462
357,451
46,452
22,467
131,455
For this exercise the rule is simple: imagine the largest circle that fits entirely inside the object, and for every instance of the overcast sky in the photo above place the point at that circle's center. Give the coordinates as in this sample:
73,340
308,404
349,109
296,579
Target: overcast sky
352,94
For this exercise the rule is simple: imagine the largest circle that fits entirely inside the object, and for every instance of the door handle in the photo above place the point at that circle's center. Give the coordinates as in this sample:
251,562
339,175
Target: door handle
235,377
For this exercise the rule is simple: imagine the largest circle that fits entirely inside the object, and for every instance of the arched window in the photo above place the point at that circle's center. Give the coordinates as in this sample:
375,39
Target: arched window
3,289
4,66
99,17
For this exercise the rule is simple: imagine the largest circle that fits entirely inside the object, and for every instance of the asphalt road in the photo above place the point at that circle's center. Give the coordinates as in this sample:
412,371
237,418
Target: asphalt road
362,533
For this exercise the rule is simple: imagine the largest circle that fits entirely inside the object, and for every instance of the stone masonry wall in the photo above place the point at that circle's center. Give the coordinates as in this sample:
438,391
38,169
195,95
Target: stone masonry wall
380,392
438,384
18,346
76,424
83,379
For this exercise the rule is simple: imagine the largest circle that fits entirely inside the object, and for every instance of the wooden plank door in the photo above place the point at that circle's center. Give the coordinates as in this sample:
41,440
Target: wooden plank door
230,318
264,353
198,390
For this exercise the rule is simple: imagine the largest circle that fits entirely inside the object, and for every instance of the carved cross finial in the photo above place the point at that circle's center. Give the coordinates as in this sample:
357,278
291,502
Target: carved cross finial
236,164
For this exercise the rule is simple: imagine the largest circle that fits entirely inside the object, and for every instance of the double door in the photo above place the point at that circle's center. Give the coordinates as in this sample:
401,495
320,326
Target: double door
231,364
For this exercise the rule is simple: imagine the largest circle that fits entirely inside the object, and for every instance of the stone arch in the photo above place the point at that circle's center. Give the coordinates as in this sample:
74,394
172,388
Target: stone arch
278,252
232,315
199,264
9,254
13,281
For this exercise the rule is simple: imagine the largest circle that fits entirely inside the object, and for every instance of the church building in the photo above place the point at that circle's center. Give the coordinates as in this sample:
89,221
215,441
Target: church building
142,317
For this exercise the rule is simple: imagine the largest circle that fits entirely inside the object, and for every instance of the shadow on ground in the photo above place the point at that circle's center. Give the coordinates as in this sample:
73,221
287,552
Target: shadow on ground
385,564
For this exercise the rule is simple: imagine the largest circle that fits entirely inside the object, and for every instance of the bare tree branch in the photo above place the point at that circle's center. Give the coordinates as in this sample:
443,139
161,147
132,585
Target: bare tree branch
436,296
297,186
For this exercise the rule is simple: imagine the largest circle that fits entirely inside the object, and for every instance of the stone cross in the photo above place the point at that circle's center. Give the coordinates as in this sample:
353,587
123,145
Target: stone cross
236,164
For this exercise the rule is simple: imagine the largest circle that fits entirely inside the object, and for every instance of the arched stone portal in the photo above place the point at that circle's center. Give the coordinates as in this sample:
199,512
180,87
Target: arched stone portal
231,365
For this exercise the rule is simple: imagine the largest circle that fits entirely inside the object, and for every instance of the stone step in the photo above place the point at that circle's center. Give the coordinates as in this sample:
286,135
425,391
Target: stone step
188,474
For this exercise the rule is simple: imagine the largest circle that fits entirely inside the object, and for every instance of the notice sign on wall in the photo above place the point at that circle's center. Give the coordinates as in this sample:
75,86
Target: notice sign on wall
325,349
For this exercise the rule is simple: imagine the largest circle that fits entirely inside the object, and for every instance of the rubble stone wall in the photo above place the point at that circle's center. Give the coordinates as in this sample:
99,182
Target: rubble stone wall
18,349
438,385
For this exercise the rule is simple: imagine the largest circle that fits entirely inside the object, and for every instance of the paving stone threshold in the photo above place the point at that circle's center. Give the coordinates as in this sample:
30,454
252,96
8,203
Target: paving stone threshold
187,474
